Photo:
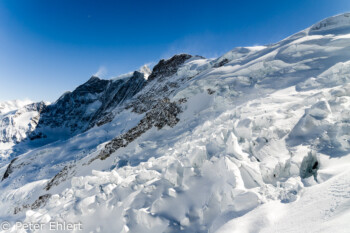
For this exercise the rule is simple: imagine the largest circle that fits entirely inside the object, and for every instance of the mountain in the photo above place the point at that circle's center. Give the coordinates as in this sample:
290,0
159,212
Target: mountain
256,140
8,106
17,120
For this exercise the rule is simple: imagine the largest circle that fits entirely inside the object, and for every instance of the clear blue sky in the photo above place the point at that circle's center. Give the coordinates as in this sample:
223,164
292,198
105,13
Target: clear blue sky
51,46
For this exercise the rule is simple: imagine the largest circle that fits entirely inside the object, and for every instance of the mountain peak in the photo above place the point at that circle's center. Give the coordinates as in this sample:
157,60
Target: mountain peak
168,67
94,77
145,70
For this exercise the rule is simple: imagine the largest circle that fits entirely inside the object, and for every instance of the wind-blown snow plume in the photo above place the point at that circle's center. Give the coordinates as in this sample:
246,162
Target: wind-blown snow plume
101,72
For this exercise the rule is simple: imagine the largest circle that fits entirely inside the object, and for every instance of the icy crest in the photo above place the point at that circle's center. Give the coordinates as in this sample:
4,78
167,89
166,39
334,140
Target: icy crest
332,24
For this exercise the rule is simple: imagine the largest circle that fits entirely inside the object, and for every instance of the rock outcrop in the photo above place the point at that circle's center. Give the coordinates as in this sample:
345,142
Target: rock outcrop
166,68
81,109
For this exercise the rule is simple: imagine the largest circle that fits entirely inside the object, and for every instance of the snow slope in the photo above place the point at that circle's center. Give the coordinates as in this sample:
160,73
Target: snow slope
321,208
254,141
12,105
17,120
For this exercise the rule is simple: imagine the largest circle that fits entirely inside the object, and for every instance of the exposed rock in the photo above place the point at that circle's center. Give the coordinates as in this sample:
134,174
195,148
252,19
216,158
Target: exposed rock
60,177
163,87
15,164
124,92
41,201
19,209
162,114
89,103
9,169
221,63
166,68
105,119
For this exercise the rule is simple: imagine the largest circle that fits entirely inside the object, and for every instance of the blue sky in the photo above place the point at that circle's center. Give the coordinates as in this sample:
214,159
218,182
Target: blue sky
48,47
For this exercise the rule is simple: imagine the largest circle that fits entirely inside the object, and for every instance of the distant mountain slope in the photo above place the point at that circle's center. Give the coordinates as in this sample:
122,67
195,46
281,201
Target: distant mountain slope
232,144
17,120
8,106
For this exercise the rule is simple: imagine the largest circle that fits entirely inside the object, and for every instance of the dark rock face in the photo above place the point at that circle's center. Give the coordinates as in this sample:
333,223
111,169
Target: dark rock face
162,114
161,89
117,94
9,169
221,63
91,103
87,104
166,68
60,177
41,201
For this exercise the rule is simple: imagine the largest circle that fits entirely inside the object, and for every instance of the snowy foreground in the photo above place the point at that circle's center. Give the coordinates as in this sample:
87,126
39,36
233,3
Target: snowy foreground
257,140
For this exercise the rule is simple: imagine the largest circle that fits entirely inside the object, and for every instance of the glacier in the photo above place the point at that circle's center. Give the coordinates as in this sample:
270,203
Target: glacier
257,140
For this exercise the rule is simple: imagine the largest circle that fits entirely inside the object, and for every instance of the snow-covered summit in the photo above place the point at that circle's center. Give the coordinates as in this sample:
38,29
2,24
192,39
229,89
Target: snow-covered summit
8,106
335,24
237,54
145,70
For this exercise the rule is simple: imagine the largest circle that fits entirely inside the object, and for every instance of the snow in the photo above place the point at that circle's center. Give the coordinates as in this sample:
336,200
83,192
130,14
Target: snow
143,69
339,21
12,105
322,208
17,119
262,145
